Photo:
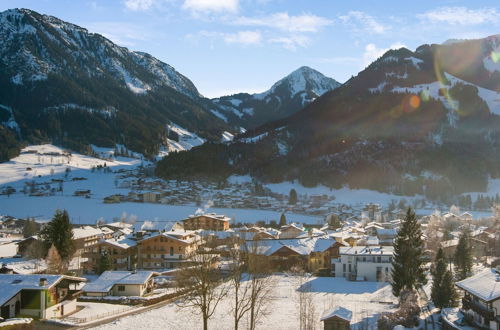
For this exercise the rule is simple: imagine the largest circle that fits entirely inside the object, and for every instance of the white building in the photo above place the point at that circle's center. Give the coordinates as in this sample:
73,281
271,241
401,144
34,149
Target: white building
121,283
364,263
481,301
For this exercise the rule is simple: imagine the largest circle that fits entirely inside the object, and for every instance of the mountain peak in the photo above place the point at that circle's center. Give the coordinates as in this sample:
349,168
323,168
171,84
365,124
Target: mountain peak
304,79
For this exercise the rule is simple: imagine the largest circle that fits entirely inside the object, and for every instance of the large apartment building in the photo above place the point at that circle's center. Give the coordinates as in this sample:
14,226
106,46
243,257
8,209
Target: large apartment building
166,250
364,263
210,221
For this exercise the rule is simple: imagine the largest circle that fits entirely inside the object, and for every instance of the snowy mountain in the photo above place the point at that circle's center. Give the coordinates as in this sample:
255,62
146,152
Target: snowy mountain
75,88
413,122
284,98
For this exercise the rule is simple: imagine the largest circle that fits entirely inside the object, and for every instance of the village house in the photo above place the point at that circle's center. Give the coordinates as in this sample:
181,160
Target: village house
121,283
210,221
84,239
312,253
167,250
481,301
122,252
291,231
364,263
38,295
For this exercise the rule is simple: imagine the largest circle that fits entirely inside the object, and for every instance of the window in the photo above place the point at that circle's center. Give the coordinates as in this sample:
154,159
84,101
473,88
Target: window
350,268
171,250
121,287
343,266
379,259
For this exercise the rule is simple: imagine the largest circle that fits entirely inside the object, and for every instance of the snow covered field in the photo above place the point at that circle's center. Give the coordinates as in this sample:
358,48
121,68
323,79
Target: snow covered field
50,162
87,211
365,299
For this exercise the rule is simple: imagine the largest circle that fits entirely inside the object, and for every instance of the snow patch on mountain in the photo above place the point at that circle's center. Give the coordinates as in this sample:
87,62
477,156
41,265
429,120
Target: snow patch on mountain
491,98
133,83
11,121
254,138
248,111
227,136
218,114
415,61
187,139
107,112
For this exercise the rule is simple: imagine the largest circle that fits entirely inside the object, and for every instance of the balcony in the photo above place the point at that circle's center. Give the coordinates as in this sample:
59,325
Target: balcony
469,303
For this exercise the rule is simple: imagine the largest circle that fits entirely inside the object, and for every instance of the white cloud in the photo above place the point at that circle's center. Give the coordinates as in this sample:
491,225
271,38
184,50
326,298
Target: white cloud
211,5
362,22
461,16
285,22
243,38
291,42
372,52
139,5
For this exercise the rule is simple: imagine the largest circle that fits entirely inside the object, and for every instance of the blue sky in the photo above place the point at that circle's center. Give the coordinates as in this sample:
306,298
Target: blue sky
228,46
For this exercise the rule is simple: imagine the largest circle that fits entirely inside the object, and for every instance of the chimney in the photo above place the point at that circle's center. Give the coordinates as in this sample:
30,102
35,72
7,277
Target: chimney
43,281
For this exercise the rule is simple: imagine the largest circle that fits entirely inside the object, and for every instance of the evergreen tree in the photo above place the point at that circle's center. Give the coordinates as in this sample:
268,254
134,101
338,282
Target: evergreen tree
292,198
282,220
443,292
30,228
105,263
407,263
334,221
54,263
463,256
59,232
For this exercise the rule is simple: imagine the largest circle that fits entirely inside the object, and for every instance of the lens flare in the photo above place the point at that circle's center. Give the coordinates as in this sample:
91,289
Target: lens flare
414,101
495,57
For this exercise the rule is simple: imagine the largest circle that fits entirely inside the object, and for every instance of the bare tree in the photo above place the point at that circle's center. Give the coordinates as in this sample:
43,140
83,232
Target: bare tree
203,285
260,282
305,304
241,286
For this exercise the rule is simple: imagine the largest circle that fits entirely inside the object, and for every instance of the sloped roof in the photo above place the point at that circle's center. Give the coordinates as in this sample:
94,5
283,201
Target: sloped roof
86,231
485,285
303,246
11,284
340,312
109,278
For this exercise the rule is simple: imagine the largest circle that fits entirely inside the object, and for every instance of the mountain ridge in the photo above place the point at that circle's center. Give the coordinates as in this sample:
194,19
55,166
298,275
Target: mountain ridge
285,97
409,113
75,88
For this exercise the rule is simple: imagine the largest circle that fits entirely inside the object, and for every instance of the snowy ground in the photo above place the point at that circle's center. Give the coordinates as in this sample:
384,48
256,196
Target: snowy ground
92,311
88,211
43,161
365,299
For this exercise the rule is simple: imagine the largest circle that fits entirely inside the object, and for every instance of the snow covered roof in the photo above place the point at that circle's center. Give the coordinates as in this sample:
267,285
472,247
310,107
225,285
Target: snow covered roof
340,312
485,285
449,243
367,250
303,246
110,278
86,231
183,236
11,284
123,242
210,215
